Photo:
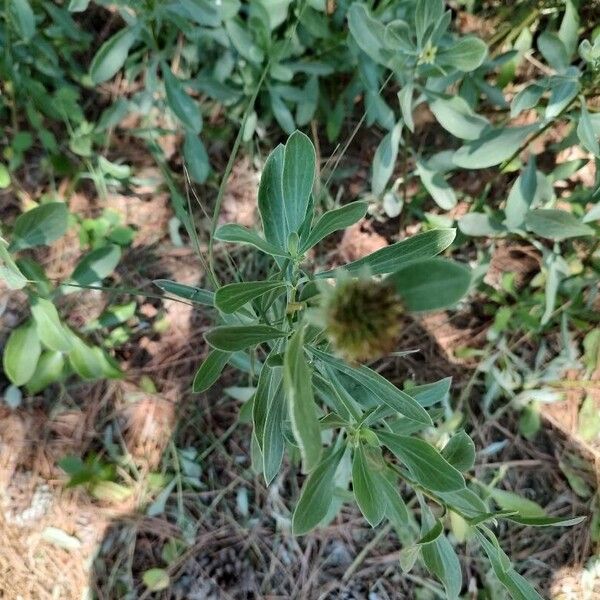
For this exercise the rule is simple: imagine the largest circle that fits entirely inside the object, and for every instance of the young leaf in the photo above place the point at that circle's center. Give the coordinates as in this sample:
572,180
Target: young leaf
585,131
385,159
23,18
440,558
460,452
367,32
367,468
241,235
112,55
96,265
377,385
230,338
521,196
196,158
437,186
456,116
301,402
210,370
298,175
425,463
493,147
49,328
188,292
49,369
21,353
466,55
334,220
511,501
405,98
233,296
185,108
389,259
556,224
40,226
317,494
431,393
431,284
9,270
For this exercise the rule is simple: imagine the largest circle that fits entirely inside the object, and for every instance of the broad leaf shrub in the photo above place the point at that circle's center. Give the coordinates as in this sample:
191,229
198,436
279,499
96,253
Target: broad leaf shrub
309,335
43,349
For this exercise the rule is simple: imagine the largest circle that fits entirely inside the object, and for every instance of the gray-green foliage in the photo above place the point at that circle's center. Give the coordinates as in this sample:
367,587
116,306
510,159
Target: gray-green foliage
311,401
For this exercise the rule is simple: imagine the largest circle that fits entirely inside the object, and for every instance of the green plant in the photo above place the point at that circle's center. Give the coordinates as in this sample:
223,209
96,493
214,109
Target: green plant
44,349
344,421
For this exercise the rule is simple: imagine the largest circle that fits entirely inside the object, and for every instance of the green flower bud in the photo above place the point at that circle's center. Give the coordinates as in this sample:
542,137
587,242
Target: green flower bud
362,318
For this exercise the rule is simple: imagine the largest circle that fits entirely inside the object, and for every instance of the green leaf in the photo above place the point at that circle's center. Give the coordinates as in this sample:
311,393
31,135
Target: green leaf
188,292
389,259
185,108
241,40
40,226
23,18
21,353
405,98
518,587
91,362
298,175
493,147
4,177
112,55
317,494
510,501
301,402
49,369
377,385
561,96
466,55
440,558
546,521
237,234
396,510
556,224
367,469
50,330
334,220
553,50
460,452
425,463
431,284
427,14
431,393
96,265
521,196
9,270
196,158
78,5
385,159
268,416
156,579
367,32
568,32
210,370
437,186
233,296
585,131
456,116
230,338
480,224
271,203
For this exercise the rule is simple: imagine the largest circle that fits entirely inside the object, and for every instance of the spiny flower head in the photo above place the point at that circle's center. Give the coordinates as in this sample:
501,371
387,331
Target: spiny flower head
362,317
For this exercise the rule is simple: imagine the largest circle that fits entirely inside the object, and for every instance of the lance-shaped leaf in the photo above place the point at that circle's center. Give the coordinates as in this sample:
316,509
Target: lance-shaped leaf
188,292
429,468
233,296
210,370
301,401
317,494
230,338
380,387
368,483
389,259
237,234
